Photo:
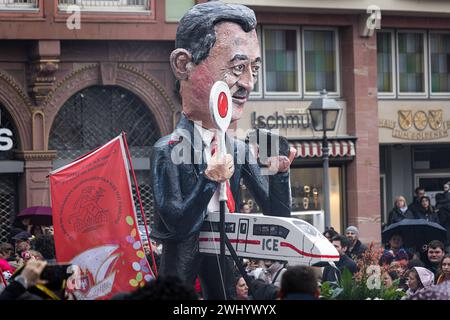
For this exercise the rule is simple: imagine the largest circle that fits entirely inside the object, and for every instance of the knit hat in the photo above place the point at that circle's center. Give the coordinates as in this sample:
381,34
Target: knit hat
352,229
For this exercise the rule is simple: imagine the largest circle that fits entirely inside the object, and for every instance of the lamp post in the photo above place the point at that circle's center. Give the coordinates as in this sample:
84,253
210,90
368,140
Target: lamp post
324,113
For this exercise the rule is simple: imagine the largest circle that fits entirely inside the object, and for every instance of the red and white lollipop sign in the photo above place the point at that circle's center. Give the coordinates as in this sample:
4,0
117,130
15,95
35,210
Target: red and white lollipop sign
220,105
221,109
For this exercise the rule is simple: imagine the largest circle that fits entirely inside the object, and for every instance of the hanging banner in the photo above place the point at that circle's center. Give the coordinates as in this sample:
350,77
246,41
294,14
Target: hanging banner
95,225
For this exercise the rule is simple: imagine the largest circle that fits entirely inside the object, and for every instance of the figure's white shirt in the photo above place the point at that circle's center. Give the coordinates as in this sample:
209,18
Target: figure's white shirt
207,137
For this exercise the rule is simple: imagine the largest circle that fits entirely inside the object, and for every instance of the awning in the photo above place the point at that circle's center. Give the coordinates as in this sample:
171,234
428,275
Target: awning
311,149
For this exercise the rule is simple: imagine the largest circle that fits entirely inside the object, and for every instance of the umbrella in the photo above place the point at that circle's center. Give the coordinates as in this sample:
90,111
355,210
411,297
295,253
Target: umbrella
415,232
38,215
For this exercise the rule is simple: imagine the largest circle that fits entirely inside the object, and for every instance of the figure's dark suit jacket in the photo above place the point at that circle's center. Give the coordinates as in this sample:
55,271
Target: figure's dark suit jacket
182,191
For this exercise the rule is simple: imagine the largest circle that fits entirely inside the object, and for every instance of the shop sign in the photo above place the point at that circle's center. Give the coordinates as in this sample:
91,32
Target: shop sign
6,142
417,125
276,121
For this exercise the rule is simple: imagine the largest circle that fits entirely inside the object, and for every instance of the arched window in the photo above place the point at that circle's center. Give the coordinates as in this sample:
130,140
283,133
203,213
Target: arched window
95,115
8,178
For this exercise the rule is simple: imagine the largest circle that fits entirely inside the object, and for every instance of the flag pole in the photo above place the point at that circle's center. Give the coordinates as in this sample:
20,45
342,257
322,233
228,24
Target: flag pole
140,201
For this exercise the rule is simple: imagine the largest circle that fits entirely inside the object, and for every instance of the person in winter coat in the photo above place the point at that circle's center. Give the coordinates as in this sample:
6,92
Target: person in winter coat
414,206
427,211
418,278
443,199
400,211
444,270
333,274
356,249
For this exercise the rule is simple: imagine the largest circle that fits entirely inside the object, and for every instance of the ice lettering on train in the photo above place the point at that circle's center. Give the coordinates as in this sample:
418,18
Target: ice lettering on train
270,244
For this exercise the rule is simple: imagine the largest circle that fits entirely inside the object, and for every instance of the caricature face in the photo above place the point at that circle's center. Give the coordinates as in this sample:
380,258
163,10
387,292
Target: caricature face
234,59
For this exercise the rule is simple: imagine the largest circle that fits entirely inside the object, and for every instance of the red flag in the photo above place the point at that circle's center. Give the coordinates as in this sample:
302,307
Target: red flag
95,223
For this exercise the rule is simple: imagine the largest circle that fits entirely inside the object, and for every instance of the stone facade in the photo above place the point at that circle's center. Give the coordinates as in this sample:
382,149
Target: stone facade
34,90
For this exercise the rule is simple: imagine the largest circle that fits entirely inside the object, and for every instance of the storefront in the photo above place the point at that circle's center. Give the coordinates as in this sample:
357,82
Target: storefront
291,120
415,148
10,172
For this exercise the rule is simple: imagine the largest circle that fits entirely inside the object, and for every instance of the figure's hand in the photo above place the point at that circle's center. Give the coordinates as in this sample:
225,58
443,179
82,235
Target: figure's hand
281,163
32,272
219,168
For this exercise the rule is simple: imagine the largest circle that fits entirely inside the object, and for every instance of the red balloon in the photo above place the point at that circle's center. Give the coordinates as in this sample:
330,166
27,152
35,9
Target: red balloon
223,104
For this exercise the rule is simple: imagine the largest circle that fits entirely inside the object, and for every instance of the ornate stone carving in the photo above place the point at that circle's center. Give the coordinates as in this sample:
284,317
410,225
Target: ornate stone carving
108,72
36,155
42,78
19,105
79,78
149,90
153,82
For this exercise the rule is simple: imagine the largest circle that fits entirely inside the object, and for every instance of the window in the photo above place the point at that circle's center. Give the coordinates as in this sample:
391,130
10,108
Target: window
307,193
175,9
440,62
299,62
106,5
209,226
385,62
281,60
320,61
270,230
411,62
18,4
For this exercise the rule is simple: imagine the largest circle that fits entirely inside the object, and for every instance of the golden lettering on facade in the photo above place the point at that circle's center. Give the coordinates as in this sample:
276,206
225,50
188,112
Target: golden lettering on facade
384,123
423,135
420,119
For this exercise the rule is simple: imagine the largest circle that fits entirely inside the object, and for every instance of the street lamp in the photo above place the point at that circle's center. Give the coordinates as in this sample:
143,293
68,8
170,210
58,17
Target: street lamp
324,113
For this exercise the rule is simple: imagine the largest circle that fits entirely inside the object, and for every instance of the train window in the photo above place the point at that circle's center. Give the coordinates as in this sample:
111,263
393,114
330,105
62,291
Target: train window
208,226
243,228
283,232
270,230
307,228
274,230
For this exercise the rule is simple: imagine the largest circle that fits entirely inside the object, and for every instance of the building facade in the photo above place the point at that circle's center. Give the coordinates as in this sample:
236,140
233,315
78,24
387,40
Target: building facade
71,78
388,67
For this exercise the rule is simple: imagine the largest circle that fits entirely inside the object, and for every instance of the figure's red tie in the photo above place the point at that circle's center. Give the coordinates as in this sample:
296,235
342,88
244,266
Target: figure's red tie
230,200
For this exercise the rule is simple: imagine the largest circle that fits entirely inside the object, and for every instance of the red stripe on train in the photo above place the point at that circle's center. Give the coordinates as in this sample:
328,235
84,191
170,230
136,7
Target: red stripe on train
312,255
232,240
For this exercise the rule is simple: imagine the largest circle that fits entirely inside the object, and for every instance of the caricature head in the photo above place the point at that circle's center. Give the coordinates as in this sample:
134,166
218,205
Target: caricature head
215,41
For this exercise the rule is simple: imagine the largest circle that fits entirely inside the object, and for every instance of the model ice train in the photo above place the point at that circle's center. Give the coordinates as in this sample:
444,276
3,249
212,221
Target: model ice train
269,238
